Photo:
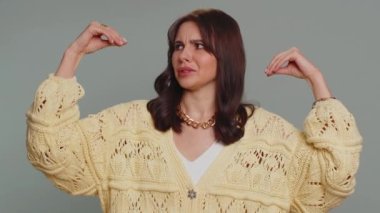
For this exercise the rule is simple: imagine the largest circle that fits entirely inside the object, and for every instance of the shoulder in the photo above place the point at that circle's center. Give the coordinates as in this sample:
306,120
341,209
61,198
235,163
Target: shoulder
131,115
133,111
133,106
264,123
270,119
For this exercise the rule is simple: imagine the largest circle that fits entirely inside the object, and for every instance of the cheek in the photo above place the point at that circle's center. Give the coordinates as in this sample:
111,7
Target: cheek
174,59
211,64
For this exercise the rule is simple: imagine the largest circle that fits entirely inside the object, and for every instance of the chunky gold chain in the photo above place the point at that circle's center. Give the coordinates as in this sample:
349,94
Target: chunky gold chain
191,122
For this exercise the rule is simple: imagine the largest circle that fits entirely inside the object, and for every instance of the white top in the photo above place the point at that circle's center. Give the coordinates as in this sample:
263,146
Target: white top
198,167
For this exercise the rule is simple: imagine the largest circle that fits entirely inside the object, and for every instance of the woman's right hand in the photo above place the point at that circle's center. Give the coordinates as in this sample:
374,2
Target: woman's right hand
96,36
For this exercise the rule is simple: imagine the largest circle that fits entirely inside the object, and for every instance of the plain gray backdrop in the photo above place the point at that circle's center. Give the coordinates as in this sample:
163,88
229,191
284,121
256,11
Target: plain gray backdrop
341,37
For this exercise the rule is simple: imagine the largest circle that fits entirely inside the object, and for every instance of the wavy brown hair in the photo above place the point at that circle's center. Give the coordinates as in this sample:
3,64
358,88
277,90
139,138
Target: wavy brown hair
221,36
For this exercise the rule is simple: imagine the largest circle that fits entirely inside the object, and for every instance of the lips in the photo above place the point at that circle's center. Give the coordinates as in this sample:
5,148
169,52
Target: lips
185,71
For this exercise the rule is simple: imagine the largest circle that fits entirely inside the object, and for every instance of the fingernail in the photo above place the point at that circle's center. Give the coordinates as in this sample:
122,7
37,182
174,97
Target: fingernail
104,37
125,40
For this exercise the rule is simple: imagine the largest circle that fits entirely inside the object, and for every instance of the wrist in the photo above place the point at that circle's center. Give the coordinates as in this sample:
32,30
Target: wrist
319,86
315,77
321,99
69,64
72,53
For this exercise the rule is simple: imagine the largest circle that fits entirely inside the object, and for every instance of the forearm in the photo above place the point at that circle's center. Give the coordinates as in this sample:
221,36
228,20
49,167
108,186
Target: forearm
55,143
330,157
69,64
319,86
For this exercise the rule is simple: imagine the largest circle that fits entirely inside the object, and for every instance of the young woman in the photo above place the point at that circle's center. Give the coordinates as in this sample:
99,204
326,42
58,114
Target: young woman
196,147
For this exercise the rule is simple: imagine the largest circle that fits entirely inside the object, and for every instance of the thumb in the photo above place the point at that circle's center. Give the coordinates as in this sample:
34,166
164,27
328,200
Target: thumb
290,70
97,44
282,71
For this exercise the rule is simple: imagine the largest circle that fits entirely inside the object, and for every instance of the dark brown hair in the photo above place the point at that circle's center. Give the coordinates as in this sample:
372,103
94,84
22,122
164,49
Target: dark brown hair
221,36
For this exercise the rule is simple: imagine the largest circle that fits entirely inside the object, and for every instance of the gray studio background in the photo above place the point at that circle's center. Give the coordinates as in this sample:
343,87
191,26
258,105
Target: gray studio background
341,37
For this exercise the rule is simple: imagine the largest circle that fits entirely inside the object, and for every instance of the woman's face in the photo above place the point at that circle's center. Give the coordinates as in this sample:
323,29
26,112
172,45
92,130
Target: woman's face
194,67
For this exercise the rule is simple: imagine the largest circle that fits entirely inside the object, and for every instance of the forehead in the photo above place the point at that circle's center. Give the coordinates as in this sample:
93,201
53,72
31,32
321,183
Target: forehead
188,30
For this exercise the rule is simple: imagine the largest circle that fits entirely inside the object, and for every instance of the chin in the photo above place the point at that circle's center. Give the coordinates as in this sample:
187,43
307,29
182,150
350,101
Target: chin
195,86
187,86
185,83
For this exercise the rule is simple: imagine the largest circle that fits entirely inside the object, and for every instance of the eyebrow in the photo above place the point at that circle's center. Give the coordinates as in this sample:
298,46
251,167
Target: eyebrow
193,41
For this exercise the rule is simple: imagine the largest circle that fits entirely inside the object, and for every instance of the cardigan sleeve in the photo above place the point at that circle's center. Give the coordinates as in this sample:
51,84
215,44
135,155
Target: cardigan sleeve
326,165
55,143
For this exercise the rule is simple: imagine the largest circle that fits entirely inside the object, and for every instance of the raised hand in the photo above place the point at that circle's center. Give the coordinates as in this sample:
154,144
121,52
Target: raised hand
292,62
96,36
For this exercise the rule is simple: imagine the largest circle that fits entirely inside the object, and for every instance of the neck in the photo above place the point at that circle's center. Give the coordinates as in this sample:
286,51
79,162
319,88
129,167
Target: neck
199,106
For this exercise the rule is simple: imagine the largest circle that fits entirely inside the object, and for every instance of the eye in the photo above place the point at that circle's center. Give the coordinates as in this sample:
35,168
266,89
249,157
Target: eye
199,45
178,46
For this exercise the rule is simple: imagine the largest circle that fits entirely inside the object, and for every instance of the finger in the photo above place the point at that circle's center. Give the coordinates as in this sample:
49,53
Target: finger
276,62
117,38
104,39
281,59
96,29
290,70
120,39
100,44
106,33
282,71
110,35
274,59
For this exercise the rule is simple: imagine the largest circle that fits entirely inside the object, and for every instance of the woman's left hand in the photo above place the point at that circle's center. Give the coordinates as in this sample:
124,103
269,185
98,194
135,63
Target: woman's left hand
292,62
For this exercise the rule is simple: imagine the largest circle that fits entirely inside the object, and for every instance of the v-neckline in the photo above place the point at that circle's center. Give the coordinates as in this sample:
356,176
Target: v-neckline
182,175
182,156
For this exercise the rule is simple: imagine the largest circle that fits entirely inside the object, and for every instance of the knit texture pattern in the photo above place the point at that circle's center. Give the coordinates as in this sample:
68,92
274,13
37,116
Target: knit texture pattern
118,156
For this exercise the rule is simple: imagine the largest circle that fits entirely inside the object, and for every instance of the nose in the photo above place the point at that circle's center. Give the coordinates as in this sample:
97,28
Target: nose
185,54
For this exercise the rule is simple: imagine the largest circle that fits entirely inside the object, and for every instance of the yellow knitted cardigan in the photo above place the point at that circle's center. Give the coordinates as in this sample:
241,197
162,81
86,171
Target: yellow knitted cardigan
120,157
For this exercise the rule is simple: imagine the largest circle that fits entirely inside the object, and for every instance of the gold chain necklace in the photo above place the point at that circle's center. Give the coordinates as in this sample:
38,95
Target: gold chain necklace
191,122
